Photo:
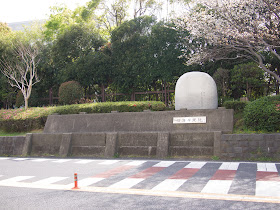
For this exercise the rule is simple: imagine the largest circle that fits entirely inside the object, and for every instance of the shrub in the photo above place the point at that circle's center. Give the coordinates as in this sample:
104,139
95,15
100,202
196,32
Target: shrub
22,125
235,105
21,120
70,92
263,114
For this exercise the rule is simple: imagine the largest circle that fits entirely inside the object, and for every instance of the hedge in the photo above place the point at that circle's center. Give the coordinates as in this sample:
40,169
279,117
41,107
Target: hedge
263,114
20,120
235,105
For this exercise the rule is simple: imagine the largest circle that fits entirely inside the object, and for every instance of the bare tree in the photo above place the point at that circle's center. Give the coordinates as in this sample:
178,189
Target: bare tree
20,68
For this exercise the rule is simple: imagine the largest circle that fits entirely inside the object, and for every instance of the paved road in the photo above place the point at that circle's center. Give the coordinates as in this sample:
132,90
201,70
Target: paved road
187,182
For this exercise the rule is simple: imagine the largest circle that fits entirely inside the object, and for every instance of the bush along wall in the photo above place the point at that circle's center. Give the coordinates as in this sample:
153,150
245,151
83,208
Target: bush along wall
263,114
238,106
20,120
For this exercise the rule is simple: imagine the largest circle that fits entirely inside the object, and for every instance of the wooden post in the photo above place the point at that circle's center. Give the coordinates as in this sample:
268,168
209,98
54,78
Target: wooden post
165,94
133,96
50,97
103,93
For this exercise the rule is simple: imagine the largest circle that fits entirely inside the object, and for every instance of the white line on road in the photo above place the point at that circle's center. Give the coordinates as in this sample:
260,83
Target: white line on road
39,160
86,182
109,162
21,159
16,179
61,161
135,163
170,184
217,186
269,167
195,165
126,183
267,188
164,164
261,166
229,166
84,161
50,180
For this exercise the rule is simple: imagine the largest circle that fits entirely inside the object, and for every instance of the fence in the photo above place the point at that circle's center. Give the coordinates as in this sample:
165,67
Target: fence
165,95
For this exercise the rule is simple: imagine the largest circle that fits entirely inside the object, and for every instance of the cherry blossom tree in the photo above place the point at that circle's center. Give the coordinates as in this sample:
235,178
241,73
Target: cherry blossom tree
231,29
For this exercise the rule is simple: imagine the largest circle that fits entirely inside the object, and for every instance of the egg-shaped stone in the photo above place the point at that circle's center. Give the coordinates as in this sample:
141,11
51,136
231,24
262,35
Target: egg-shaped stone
196,90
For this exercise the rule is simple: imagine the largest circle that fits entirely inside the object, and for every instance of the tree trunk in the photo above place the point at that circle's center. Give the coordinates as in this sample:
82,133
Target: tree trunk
25,103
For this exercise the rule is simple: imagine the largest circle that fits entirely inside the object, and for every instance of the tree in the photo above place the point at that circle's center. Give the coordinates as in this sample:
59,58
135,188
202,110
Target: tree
21,69
234,29
166,44
247,79
222,79
131,53
112,15
73,51
141,7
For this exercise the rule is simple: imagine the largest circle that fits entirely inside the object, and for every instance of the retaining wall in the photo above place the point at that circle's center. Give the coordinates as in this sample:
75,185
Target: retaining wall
147,134
250,145
162,121
146,144
11,145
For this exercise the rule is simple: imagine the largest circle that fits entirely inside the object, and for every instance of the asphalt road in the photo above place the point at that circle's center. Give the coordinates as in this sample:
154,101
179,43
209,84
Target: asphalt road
35,183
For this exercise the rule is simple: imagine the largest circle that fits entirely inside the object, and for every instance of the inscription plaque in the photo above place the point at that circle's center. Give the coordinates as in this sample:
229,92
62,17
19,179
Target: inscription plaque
183,120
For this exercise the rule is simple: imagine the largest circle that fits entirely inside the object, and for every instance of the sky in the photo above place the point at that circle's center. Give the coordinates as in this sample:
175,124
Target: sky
12,11
25,10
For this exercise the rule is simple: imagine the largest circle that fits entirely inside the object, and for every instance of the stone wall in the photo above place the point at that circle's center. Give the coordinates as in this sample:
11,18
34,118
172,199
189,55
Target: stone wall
145,144
250,145
162,121
11,145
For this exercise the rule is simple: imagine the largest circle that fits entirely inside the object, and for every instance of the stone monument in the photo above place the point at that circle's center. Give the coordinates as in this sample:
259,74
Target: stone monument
196,90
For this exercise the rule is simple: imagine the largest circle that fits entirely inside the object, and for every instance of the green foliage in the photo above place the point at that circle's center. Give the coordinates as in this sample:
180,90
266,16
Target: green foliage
235,105
20,120
22,125
107,107
145,52
70,92
131,56
247,80
263,114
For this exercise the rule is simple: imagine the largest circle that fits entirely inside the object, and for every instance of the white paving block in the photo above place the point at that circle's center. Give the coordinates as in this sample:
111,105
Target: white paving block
261,166
61,161
135,163
195,165
268,188
217,186
84,161
109,162
39,160
229,166
170,184
164,164
271,167
21,159
126,183
50,180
